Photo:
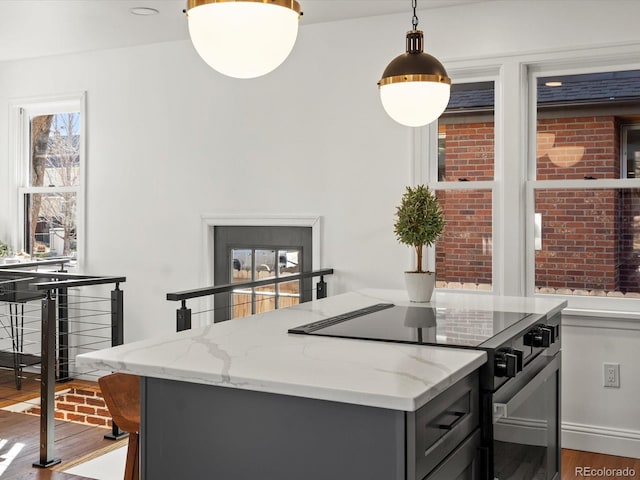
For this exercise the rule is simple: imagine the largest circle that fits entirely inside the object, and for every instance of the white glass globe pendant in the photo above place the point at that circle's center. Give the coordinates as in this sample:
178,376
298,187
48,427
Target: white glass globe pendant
243,38
415,87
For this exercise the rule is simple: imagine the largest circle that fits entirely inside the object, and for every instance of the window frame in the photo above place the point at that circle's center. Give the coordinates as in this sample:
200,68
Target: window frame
21,113
426,172
513,238
577,302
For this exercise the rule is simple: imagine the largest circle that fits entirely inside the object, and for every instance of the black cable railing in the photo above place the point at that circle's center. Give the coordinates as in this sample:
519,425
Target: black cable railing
256,299
47,318
62,262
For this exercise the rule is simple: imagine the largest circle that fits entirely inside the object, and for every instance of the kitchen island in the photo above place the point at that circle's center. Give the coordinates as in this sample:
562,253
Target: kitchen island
245,399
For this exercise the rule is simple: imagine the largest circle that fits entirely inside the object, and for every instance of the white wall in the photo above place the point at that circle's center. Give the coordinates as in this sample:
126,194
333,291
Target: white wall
169,140
596,418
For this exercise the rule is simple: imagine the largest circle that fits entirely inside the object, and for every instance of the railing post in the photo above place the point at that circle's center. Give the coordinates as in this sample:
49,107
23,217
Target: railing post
117,316
321,288
63,331
117,338
63,335
183,317
47,383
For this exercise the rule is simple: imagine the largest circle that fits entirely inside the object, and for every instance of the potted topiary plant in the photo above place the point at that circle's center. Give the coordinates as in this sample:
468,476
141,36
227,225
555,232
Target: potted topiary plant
419,223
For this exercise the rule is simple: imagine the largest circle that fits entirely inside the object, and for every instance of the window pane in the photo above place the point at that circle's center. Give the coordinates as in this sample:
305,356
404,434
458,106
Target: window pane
466,135
579,124
590,242
288,264
55,150
241,265
51,224
241,268
464,253
631,150
265,265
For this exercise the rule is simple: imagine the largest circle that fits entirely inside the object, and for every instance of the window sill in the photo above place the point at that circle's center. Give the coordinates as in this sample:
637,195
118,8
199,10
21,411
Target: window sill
609,319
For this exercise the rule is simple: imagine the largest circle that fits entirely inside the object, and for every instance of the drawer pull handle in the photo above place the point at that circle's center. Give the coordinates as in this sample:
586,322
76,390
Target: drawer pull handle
458,416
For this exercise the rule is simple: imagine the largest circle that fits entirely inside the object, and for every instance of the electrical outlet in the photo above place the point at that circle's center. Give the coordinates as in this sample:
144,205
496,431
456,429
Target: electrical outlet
611,375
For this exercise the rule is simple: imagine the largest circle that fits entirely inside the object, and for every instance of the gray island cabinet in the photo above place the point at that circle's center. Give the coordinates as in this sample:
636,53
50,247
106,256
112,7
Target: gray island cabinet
193,431
244,399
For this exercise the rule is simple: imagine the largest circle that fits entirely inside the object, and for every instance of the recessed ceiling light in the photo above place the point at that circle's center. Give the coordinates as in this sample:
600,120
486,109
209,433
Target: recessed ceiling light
553,84
145,11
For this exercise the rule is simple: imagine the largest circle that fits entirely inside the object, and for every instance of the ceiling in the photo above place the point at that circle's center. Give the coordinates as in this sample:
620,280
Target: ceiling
37,28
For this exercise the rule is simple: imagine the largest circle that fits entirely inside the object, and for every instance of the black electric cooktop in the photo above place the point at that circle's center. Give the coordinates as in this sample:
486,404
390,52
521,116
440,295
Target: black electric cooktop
419,324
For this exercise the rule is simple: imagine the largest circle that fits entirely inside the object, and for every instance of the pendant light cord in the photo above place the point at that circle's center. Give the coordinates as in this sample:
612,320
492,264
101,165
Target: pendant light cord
414,20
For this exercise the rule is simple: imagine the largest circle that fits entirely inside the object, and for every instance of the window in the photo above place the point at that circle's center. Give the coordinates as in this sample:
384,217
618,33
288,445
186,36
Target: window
584,192
630,159
261,264
465,173
50,166
247,253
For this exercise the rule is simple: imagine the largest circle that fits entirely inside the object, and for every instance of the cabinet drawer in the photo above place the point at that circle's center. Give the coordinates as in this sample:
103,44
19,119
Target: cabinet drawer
462,464
437,428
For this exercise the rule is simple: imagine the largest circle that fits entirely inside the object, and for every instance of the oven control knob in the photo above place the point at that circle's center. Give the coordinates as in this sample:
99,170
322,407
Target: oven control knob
519,357
539,337
506,364
553,331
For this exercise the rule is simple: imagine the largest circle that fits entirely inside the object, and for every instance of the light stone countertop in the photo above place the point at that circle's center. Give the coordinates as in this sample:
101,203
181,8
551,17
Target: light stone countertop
257,353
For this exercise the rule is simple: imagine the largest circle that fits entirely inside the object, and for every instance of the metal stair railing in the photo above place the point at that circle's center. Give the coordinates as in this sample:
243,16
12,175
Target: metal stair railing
184,314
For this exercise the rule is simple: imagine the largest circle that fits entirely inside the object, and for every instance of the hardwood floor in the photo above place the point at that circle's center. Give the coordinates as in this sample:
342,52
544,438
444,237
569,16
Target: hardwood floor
8,393
21,433
574,460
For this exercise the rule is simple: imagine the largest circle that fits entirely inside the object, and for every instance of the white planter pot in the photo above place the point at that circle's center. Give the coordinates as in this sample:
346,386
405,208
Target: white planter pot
420,285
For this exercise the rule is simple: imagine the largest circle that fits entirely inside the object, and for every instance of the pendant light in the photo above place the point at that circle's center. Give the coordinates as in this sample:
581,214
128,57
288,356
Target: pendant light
415,88
243,38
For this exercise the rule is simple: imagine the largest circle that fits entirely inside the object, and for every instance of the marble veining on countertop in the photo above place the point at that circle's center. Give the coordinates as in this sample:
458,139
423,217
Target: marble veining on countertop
257,353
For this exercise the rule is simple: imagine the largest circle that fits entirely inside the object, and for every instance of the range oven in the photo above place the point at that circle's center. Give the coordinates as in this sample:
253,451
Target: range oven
519,384
521,410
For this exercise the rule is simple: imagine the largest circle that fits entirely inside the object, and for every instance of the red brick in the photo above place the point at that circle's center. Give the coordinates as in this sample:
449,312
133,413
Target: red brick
70,407
85,392
96,420
74,399
97,402
74,417
103,412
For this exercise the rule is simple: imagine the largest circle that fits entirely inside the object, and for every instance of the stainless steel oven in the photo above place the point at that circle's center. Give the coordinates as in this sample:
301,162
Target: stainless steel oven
525,416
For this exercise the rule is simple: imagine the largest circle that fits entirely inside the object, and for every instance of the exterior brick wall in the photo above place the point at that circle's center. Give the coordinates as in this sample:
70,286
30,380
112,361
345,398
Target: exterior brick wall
586,233
463,254
470,151
591,238
579,239
80,405
575,148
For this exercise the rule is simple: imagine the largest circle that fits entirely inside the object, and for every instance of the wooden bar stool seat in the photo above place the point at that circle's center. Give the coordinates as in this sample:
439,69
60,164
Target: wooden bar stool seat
121,393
